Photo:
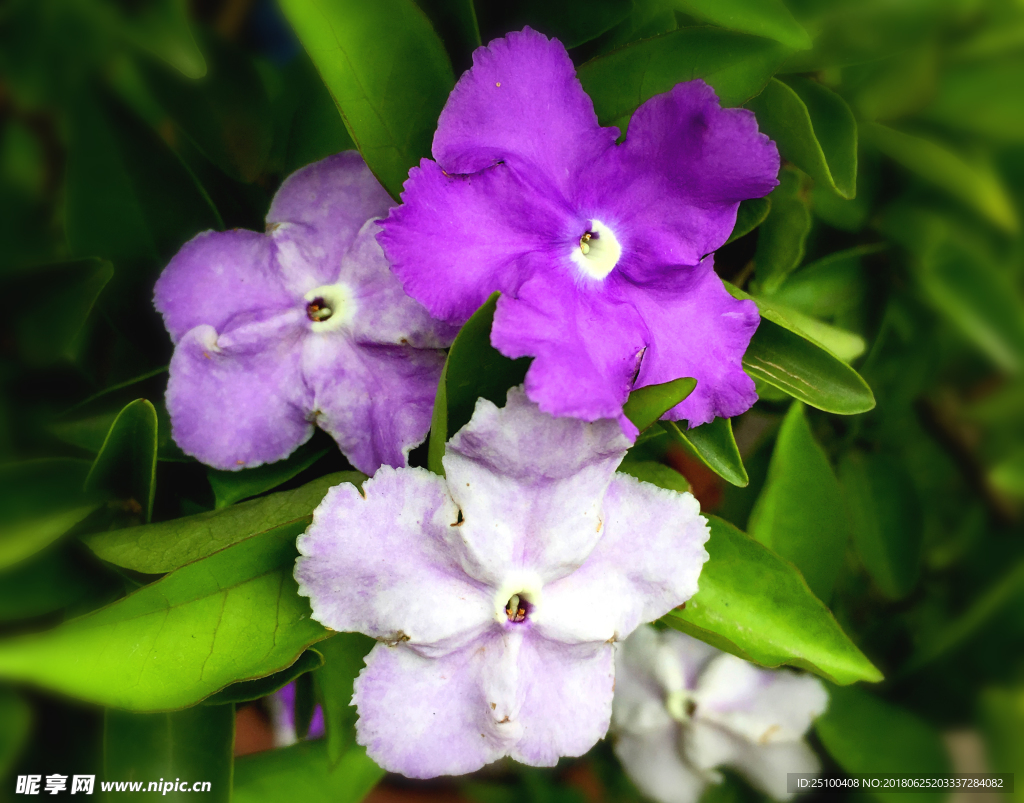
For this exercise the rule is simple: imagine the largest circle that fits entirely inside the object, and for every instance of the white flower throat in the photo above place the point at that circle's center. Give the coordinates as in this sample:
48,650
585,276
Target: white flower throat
598,251
329,306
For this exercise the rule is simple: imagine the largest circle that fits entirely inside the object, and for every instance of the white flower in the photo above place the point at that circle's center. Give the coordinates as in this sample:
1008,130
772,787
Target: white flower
683,708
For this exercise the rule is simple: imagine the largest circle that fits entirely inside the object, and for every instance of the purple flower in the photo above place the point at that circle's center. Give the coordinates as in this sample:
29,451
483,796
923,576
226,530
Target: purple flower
304,325
499,593
601,251
282,715
683,708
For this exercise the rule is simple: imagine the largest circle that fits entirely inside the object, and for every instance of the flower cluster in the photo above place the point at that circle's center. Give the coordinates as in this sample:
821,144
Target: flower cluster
499,593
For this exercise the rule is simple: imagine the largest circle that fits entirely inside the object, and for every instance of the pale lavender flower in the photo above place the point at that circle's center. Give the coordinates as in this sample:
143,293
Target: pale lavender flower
498,593
601,251
302,326
683,708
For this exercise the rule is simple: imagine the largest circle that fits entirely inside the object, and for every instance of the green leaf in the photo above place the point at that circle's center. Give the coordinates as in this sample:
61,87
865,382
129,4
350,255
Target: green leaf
655,473
1002,724
15,723
303,772
797,365
128,194
126,464
754,604
647,404
799,514
161,27
977,186
248,690
46,582
866,735
41,500
886,519
814,129
827,287
768,18
751,214
456,24
386,70
234,486
982,97
737,65
315,128
714,445
344,654
233,616
195,745
71,292
474,369
226,115
1008,475
845,345
780,242
164,547
572,22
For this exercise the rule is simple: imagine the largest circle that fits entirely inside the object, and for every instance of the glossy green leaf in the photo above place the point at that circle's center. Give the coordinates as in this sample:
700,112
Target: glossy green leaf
315,128
387,71
233,616
234,486
655,473
168,545
474,369
768,18
304,772
806,371
781,239
15,721
813,128
72,289
866,735
161,27
40,500
455,22
226,115
344,654
754,604
248,690
572,22
90,431
886,520
128,195
751,214
195,745
647,404
1002,724
977,186
714,445
827,287
737,65
845,345
799,514
125,467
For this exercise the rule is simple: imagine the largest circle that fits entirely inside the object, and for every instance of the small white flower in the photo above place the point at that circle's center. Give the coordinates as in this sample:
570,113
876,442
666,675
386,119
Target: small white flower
683,708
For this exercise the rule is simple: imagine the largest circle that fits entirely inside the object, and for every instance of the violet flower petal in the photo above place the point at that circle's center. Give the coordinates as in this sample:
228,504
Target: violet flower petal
237,401
402,584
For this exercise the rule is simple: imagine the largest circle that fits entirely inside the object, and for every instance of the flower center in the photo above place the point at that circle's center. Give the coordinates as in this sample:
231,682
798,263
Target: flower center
329,306
517,608
598,252
680,705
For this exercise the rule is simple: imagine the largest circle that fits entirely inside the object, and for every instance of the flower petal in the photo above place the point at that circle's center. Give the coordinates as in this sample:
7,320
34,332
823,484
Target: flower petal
530,487
586,347
384,314
652,761
425,717
764,706
647,562
676,182
566,699
317,213
375,401
456,239
216,276
386,563
521,104
238,400
698,330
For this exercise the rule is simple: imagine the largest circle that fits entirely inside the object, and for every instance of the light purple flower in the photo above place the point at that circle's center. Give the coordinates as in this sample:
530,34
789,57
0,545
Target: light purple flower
683,708
304,325
601,251
498,593
282,716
